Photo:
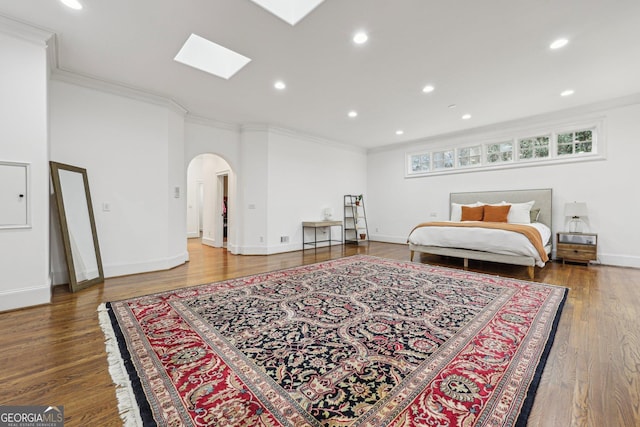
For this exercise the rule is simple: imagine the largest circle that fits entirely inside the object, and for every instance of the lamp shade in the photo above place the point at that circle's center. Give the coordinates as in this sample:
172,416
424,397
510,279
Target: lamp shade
576,209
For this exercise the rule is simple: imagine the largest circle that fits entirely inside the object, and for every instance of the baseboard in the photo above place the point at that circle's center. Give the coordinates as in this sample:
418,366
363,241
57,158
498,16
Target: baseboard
209,242
193,234
114,270
619,260
266,250
27,297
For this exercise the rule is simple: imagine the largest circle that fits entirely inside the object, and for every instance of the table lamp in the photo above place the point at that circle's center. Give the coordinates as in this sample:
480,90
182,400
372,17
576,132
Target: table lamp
577,211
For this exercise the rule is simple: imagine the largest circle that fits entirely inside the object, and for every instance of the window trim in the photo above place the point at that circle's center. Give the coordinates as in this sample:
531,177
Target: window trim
597,149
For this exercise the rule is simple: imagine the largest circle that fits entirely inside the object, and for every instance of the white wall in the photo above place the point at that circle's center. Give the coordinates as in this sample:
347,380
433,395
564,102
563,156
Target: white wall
134,155
210,137
194,180
305,176
279,178
253,187
24,253
176,229
396,204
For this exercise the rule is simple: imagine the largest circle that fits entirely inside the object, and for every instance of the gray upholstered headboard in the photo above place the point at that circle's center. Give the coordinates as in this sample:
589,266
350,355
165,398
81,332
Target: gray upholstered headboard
541,196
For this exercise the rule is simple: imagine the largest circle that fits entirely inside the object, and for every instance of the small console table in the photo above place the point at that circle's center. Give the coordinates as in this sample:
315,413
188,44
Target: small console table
320,224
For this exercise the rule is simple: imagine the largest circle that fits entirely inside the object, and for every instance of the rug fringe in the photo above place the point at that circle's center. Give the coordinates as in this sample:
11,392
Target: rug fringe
127,405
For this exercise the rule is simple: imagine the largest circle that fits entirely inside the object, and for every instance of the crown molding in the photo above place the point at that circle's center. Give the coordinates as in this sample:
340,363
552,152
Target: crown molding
554,117
206,121
25,31
92,82
292,133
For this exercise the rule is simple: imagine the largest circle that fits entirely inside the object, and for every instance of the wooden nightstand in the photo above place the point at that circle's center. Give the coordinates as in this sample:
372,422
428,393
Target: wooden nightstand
577,247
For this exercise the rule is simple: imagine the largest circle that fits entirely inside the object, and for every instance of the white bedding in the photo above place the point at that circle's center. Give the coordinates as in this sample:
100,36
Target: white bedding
482,239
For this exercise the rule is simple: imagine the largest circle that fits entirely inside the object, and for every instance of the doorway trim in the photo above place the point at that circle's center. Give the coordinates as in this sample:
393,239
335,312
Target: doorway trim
219,221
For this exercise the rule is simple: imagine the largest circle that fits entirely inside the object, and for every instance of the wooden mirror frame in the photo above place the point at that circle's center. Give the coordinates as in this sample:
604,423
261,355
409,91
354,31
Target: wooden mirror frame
74,284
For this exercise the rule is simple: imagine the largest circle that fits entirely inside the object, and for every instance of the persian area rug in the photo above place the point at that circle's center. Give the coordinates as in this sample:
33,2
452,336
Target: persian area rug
358,341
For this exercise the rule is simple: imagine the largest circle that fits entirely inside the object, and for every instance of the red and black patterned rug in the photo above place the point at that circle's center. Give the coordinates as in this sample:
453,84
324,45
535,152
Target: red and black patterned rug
358,341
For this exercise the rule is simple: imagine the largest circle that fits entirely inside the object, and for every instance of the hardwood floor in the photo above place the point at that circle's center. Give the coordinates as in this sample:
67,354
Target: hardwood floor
54,354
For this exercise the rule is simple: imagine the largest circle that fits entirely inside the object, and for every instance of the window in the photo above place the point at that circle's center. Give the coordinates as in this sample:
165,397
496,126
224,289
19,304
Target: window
534,148
420,163
443,159
569,142
578,142
469,156
500,152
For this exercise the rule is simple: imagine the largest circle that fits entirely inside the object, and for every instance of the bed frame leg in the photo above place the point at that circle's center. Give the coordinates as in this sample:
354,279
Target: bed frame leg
466,263
532,271
412,252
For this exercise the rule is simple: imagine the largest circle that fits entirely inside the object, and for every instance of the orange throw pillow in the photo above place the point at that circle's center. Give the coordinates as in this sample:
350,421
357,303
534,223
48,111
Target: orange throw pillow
472,213
496,213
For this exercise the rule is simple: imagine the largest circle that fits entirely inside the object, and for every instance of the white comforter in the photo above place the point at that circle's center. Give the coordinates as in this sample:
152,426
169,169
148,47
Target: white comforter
482,239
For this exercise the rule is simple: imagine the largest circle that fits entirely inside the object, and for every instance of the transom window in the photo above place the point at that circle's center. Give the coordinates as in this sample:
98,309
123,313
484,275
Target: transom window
565,145
500,152
575,142
470,156
420,163
534,148
443,159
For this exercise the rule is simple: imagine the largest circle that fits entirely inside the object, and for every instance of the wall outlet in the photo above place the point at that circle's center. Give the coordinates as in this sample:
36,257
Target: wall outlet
433,214
284,239
261,239
106,207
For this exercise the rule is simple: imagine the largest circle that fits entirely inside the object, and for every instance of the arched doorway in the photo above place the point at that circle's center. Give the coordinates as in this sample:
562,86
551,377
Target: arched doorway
210,191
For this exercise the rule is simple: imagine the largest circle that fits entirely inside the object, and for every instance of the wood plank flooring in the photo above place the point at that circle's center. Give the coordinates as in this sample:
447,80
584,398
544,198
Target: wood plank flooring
54,354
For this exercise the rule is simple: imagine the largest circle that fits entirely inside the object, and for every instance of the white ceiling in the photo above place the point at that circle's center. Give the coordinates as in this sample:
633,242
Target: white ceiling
490,58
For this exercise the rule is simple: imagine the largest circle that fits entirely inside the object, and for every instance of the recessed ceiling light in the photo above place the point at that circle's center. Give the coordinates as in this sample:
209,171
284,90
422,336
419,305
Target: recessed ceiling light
399,132
290,11
210,57
353,114
567,92
557,44
279,85
73,4
466,117
360,37
428,89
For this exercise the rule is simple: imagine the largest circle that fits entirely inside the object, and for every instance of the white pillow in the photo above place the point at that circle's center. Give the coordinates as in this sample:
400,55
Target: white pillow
456,210
520,213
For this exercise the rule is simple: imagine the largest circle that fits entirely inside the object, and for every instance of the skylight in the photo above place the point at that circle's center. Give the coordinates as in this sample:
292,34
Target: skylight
291,11
210,57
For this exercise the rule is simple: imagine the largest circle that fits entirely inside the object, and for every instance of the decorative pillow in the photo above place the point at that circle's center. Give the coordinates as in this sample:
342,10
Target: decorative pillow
494,213
470,213
520,213
456,210
534,214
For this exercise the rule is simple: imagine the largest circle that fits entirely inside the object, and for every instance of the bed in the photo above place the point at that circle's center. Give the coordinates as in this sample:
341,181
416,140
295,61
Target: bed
501,246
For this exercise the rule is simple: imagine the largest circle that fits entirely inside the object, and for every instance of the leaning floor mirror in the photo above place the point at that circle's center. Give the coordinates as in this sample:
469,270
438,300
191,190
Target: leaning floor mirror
77,225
